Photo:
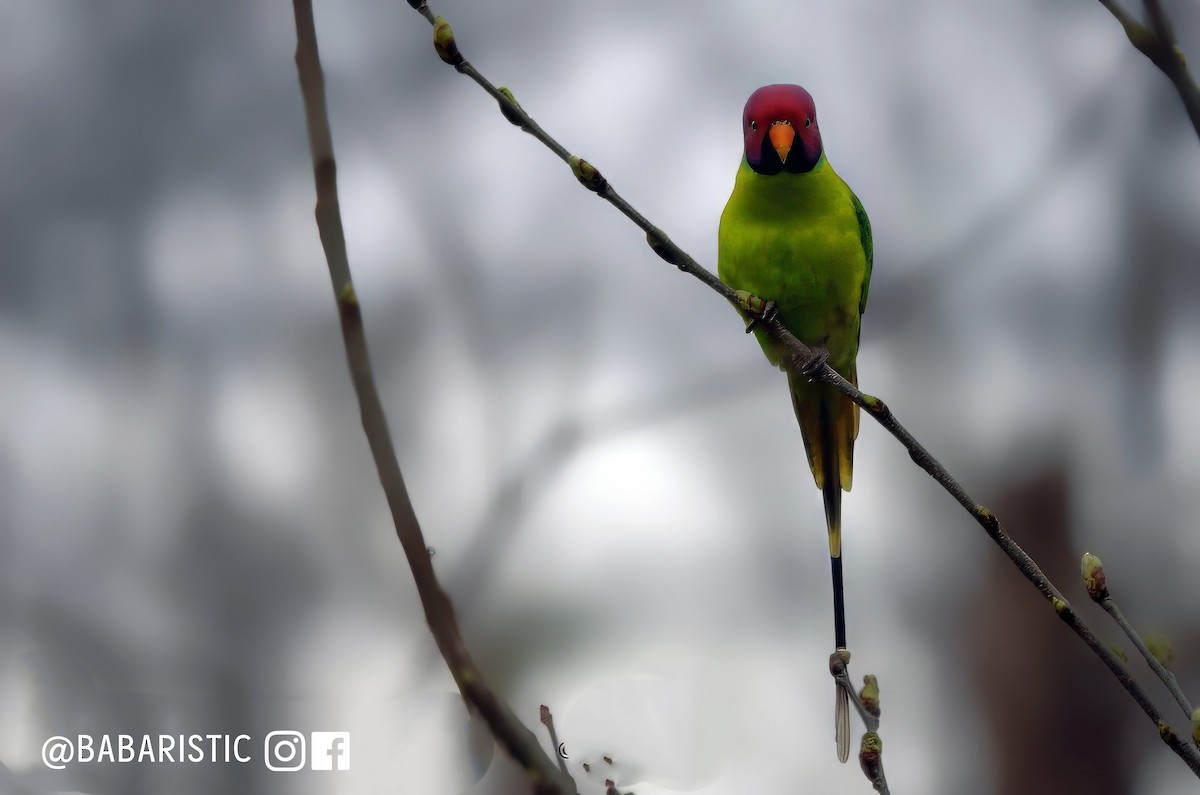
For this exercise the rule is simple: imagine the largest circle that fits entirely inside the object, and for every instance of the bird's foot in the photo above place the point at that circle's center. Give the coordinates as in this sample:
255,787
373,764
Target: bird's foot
812,370
760,311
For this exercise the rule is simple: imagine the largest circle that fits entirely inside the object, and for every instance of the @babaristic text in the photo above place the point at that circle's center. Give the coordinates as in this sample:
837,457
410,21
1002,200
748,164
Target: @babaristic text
281,750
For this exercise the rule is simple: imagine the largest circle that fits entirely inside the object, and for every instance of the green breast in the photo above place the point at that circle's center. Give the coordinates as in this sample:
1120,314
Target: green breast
796,239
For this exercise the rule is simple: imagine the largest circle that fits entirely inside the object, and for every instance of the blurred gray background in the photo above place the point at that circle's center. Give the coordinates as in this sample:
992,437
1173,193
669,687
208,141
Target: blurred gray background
192,536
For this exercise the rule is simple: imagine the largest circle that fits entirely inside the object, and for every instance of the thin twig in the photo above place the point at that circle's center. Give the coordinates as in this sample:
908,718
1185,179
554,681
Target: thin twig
1156,40
866,702
585,172
1168,678
1095,580
439,613
802,359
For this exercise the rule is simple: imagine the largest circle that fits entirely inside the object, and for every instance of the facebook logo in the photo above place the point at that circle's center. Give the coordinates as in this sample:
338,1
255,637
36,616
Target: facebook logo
330,750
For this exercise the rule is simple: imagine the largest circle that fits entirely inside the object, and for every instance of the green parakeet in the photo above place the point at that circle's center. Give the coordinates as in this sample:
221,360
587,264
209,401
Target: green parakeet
794,233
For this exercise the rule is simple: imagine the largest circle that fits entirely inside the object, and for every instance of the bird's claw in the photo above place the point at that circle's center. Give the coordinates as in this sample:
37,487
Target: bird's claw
769,311
813,369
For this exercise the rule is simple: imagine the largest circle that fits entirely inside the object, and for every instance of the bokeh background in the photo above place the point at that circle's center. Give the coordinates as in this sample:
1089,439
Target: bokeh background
192,537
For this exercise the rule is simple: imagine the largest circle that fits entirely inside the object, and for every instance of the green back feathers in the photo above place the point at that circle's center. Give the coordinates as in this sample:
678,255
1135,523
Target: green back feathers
868,244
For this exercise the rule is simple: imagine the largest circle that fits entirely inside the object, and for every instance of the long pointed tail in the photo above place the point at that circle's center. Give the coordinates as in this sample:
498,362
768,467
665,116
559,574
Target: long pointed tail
831,490
829,425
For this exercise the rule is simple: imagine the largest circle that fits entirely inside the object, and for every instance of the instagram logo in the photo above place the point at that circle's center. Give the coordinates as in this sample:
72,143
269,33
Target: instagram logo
331,750
284,751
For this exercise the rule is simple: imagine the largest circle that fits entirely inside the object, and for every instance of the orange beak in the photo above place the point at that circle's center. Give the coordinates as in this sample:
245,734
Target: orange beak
781,136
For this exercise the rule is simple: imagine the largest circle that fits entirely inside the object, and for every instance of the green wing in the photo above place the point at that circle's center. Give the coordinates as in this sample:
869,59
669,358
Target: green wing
868,244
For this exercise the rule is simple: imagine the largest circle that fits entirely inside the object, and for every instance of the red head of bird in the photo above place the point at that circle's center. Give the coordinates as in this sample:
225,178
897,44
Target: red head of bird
780,126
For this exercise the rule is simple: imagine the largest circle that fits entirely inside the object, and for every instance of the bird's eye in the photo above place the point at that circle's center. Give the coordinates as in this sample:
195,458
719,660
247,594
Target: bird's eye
753,125
808,122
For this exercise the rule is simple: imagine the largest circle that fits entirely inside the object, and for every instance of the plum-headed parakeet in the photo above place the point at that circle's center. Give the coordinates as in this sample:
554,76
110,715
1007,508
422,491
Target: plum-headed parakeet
794,233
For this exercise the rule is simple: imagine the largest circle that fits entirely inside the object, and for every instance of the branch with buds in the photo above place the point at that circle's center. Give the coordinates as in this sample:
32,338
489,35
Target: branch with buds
866,701
1155,649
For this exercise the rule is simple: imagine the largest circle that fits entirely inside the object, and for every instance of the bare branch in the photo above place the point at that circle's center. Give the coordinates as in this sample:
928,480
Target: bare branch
439,613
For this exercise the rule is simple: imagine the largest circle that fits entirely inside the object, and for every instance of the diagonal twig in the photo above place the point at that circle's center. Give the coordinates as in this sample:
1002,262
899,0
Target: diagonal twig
1096,582
1156,40
547,778
1160,670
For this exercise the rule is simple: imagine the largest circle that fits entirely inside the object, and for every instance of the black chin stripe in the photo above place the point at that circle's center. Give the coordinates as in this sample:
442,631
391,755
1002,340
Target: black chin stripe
769,163
768,159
